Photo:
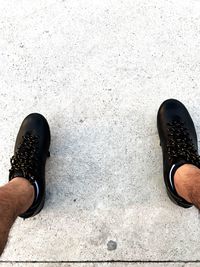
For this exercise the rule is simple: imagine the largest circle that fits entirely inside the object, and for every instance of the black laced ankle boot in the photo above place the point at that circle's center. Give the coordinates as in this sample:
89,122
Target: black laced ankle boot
178,140
30,154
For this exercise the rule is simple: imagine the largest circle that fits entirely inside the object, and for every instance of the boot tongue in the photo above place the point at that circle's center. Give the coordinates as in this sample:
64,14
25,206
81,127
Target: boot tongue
18,174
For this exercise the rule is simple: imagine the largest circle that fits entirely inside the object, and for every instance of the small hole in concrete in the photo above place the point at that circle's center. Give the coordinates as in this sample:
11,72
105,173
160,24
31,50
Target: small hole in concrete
111,245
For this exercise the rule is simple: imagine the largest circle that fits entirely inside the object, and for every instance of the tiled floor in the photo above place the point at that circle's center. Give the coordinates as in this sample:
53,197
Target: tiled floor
98,71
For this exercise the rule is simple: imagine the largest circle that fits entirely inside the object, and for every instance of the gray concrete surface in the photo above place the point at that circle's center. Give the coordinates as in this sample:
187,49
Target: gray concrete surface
98,70
121,264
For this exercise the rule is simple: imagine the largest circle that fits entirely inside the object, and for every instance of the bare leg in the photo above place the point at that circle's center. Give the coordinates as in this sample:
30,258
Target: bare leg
187,183
15,198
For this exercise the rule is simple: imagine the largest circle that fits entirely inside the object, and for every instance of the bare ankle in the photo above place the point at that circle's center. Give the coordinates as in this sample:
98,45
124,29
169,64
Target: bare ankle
186,180
19,193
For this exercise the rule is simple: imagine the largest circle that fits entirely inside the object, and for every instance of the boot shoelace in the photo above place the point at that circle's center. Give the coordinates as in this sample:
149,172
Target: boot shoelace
180,145
25,159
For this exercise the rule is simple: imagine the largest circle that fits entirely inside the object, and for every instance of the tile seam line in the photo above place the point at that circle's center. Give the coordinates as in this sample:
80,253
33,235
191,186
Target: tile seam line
108,261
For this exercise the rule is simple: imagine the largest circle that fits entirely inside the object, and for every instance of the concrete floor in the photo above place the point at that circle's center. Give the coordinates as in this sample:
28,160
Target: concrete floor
98,71
119,264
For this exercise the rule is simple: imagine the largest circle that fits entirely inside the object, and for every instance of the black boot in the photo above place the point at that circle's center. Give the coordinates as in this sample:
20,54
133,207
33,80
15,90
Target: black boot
178,140
30,154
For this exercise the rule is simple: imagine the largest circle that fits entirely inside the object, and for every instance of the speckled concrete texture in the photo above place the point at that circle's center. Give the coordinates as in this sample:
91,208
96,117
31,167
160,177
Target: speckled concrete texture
121,264
98,71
